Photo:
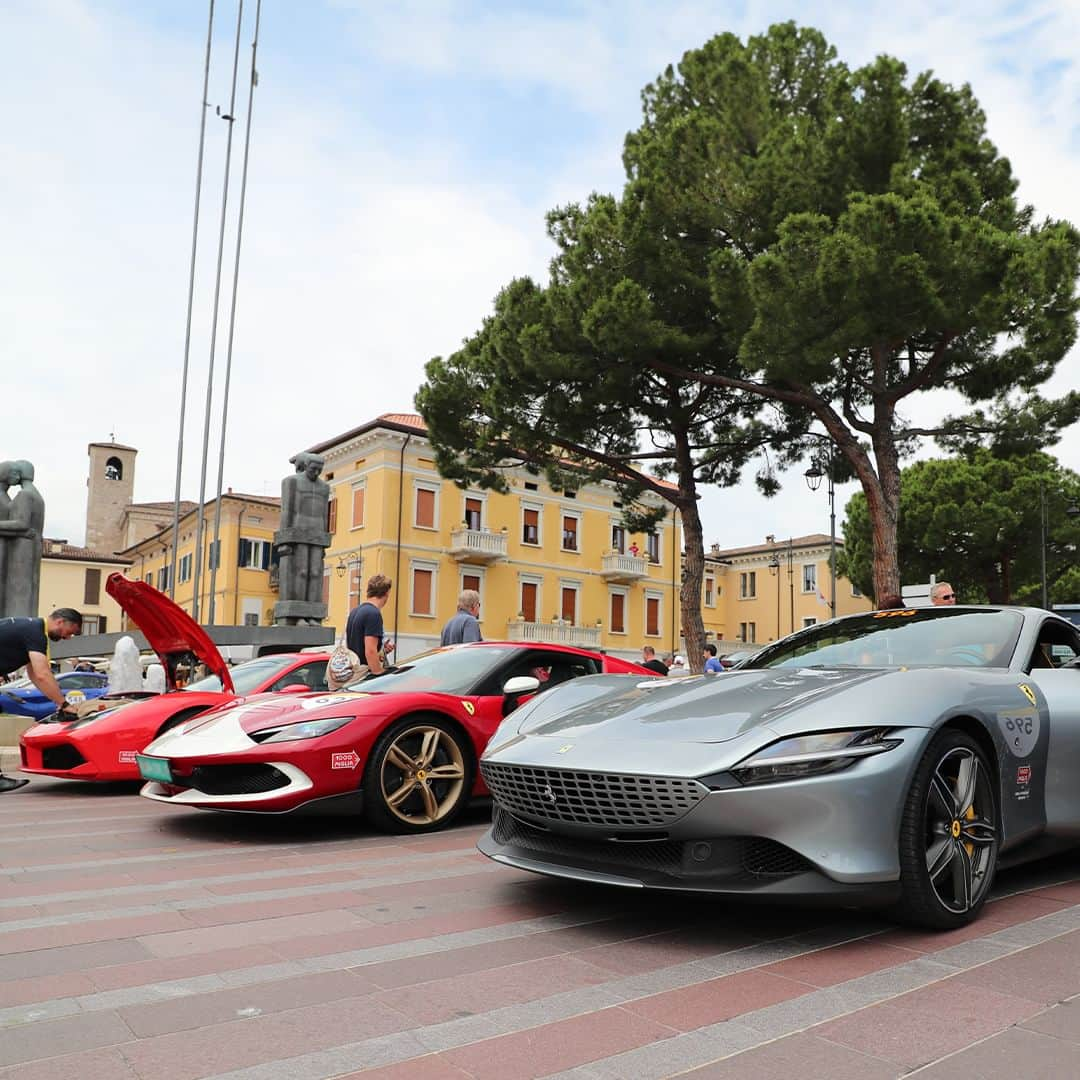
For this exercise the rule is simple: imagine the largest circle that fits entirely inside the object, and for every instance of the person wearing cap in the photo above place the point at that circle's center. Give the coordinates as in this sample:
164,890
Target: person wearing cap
25,641
678,666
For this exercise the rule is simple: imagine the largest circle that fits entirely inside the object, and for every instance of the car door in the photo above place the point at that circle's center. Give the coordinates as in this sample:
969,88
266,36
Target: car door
1054,668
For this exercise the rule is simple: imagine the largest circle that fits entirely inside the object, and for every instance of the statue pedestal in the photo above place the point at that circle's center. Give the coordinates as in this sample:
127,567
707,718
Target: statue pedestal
298,612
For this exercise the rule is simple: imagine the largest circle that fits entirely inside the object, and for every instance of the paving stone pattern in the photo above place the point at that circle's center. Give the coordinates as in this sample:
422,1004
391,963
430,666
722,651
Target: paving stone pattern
143,941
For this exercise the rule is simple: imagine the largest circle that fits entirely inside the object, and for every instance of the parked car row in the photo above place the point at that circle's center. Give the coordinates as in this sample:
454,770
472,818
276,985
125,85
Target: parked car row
894,758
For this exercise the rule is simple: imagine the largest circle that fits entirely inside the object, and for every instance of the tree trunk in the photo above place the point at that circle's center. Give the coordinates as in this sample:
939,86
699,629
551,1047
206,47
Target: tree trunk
690,594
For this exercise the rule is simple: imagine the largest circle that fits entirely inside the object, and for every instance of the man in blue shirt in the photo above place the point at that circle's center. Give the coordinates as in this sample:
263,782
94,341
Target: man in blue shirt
26,641
465,624
364,627
711,661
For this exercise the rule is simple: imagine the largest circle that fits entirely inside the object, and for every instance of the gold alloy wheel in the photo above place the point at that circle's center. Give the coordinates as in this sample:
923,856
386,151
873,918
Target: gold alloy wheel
422,775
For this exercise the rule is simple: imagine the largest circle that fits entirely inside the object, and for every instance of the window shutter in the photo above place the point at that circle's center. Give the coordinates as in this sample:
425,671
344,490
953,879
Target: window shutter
528,600
652,616
265,555
531,529
569,605
92,588
244,555
331,516
618,613
357,507
425,508
422,592
471,581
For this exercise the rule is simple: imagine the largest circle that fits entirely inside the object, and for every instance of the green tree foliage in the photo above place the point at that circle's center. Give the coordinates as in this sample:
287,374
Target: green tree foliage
796,244
975,521
866,247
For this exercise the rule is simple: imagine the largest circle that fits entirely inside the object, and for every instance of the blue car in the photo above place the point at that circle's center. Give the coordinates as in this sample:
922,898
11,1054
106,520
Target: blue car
25,699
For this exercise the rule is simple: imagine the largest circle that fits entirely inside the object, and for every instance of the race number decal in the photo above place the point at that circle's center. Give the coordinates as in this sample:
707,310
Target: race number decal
1020,730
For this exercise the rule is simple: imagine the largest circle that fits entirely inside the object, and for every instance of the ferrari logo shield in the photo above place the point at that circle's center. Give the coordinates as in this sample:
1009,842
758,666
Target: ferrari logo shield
469,707
1027,692
564,749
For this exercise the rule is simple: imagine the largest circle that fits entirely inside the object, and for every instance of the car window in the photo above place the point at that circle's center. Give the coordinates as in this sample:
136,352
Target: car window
922,637
83,681
312,675
246,677
1057,645
549,666
458,669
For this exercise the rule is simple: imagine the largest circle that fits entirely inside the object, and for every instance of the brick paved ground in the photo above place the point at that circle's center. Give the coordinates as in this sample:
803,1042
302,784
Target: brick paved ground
137,940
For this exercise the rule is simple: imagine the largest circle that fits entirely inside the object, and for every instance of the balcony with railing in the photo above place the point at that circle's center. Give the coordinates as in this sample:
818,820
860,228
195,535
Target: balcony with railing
477,545
623,569
559,632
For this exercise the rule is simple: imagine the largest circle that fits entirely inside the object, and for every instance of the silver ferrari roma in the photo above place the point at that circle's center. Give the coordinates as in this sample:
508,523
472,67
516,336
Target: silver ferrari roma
897,757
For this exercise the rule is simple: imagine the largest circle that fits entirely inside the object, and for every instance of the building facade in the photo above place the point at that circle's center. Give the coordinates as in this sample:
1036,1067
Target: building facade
237,584
548,565
75,577
757,594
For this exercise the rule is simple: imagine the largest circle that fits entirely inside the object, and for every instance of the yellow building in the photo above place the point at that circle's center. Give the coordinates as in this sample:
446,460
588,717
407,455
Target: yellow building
75,577
549,566
236,582
753,595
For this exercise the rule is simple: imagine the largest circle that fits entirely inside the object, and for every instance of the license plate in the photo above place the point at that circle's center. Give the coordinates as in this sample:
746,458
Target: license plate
154,768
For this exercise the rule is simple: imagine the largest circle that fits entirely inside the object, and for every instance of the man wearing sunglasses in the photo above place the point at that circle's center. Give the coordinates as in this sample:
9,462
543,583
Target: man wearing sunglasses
942,595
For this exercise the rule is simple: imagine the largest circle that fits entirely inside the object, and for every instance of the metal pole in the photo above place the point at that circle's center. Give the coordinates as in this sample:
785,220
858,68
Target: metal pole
1042,546
832,538
232,309
230,118
791,578
190,301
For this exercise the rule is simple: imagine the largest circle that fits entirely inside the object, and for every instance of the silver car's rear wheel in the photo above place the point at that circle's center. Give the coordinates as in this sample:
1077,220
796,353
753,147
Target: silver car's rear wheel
949,834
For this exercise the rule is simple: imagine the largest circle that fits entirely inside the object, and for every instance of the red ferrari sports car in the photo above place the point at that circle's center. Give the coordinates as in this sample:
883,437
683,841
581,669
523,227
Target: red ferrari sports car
102,745
406,742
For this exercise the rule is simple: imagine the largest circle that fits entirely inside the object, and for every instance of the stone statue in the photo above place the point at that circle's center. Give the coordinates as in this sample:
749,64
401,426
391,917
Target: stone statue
22,522
301,542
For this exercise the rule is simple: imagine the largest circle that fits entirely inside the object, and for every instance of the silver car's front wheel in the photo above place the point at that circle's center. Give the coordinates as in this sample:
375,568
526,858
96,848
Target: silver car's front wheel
949,834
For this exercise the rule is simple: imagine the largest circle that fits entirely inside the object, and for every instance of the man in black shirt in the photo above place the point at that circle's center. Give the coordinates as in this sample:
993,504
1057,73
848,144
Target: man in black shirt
26,641
648,659
364,627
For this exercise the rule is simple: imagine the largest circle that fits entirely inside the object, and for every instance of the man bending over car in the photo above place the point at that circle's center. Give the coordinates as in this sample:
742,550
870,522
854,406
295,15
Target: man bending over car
25,641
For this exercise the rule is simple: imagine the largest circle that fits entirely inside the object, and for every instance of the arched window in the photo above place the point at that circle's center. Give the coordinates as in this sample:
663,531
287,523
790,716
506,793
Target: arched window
114,469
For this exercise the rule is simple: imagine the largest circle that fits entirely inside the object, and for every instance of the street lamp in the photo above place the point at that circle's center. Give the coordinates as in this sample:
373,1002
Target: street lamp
1072,510
813,481
774,571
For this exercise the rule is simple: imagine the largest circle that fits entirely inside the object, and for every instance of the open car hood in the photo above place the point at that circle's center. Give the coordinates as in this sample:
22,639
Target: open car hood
169,630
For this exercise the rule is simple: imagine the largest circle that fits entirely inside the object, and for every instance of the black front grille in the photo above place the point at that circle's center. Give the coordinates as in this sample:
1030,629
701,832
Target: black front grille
763,858
61,757
609,800
234,779
739,860
662,855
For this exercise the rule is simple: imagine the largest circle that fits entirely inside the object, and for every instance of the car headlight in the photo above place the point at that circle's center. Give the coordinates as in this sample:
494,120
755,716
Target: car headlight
804,756
308,729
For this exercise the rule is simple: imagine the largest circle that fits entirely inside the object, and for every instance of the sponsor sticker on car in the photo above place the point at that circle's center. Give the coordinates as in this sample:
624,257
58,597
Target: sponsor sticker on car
347,760
128,757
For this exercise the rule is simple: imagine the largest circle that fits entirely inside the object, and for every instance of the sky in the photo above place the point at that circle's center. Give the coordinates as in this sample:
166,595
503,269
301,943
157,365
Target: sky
403,156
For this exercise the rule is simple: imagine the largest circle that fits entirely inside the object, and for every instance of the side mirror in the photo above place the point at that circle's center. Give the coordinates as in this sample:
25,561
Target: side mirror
295,688
521,684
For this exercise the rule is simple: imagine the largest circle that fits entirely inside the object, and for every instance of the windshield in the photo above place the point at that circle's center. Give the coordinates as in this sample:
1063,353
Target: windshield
902,638
246,677
449,671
